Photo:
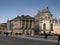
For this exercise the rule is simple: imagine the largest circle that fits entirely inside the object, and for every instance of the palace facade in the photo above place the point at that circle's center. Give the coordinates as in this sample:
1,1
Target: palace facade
43,22
21,25
46,23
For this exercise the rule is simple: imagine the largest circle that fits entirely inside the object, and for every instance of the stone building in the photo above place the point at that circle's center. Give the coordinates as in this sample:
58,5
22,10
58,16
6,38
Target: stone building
45,22
21,25
42,23
57,27
3,27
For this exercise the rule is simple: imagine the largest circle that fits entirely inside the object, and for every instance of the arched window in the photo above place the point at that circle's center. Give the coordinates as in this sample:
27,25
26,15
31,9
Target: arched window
51,27
44,27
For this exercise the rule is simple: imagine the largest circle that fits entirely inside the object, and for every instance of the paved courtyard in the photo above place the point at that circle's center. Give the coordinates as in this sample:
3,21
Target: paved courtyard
18,40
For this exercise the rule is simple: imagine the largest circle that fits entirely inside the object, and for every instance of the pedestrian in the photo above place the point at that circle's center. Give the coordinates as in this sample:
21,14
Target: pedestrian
58,38
45,36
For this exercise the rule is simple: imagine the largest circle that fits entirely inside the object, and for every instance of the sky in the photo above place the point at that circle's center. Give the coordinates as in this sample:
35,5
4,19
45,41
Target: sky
10,9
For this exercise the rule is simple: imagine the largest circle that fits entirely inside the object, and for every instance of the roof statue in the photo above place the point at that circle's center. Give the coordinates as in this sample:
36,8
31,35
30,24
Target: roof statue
46,10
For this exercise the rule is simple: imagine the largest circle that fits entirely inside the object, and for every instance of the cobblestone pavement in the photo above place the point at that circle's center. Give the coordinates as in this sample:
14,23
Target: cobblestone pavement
23,40
48,37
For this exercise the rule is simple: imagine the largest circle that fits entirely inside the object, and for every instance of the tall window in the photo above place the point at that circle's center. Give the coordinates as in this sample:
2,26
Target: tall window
26,24
51,27
44,27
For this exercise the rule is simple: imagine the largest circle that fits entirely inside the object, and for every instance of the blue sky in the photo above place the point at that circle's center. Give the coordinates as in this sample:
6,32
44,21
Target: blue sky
9,9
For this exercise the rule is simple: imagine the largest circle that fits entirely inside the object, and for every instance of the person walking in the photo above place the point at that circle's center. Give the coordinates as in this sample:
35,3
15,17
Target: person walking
58,38
45,36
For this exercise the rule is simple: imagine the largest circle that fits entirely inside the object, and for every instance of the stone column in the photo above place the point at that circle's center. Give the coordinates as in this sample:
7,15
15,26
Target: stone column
25,24
25,32
32,32
32,25
21,24
25,27
29,31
